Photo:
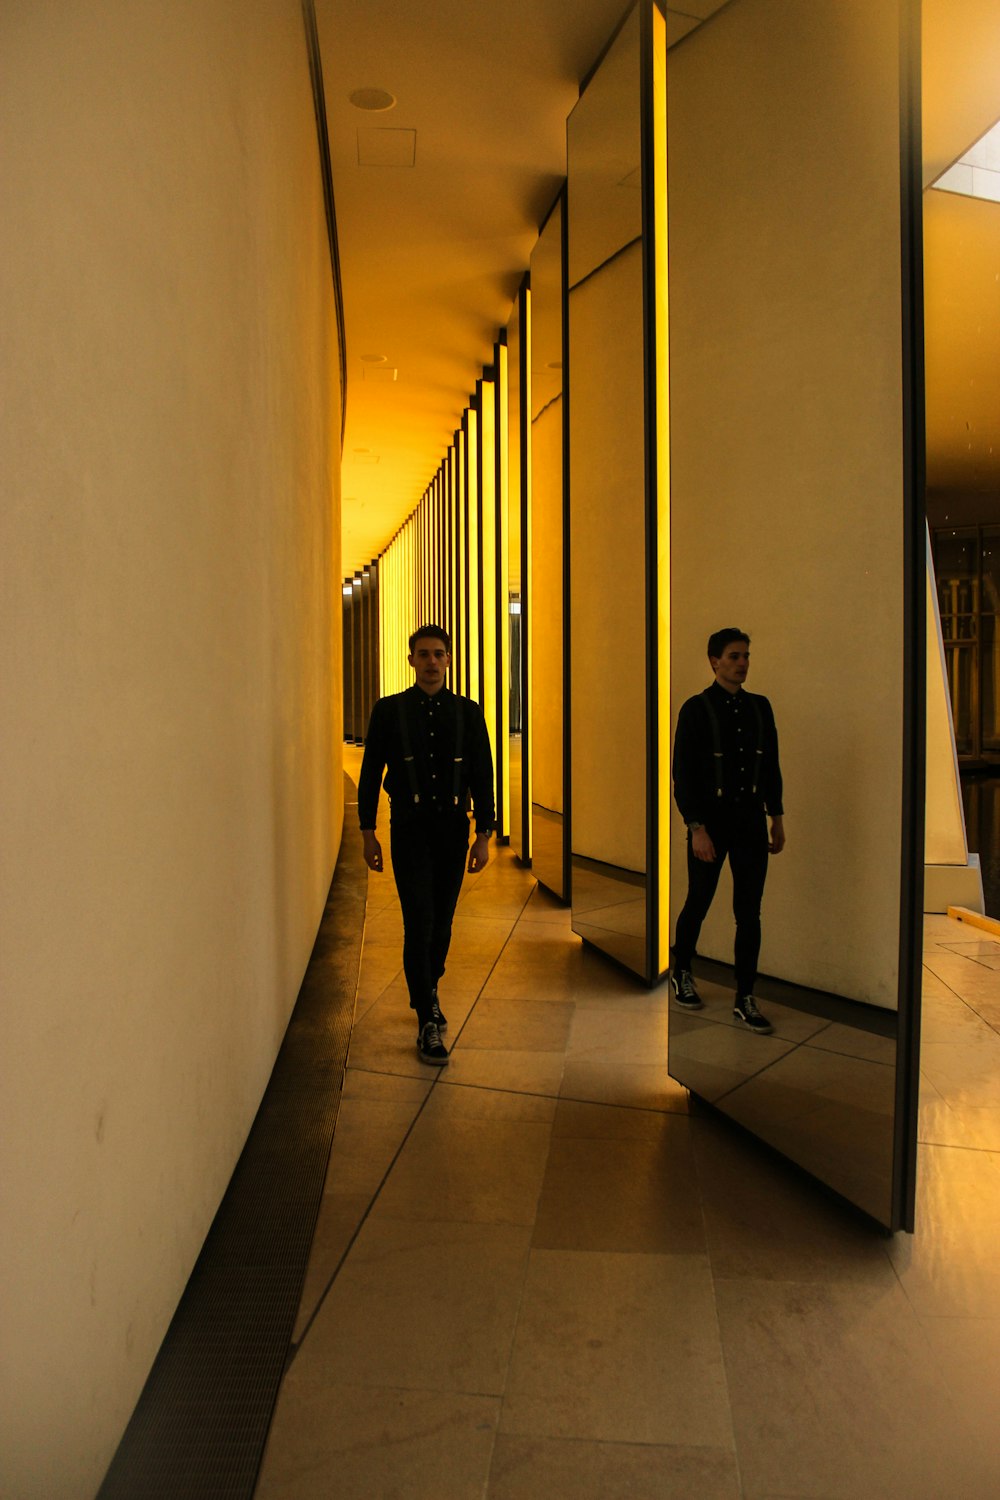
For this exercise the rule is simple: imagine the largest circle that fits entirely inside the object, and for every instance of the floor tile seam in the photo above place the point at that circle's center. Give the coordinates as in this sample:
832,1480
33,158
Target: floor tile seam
795,1282
643,1109
948,1386
489,975
571,1440
957,994
957,1145
754,1077
990,1151
726,1372
294,1349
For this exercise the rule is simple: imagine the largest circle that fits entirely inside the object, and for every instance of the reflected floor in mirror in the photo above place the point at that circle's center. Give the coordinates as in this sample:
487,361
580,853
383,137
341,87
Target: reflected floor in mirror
609,910
820,1088
535,1273
547,861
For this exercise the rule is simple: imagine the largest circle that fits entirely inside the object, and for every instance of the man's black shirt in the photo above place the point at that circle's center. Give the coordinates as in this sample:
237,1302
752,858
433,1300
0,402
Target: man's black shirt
431,722
745,724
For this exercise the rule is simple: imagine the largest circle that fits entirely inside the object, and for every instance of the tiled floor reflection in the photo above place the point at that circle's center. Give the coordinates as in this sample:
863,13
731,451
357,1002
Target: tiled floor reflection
536,1275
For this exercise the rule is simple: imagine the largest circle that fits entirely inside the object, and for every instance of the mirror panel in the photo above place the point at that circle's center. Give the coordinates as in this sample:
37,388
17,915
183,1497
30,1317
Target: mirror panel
517,477
793,515
546,604
608,500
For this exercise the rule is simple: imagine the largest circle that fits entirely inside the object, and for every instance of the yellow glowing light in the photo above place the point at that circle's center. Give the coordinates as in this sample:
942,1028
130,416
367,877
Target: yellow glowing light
502,743
527,621
472,551
662,376
488,556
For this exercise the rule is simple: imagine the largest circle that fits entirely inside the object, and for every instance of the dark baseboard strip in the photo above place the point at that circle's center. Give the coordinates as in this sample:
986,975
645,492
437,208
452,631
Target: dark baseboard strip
201,1423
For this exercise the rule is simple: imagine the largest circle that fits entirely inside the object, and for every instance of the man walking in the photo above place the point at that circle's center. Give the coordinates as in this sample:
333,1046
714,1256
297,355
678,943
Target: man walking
727,781
437,750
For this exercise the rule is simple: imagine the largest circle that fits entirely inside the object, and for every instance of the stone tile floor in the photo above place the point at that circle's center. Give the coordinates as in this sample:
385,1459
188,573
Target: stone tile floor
535,1275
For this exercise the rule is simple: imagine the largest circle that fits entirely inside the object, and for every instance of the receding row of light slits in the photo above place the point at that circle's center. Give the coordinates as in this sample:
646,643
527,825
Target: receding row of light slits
448,565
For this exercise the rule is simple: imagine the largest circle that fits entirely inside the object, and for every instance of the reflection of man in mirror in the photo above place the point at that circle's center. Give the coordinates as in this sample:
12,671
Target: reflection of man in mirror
437,751
727,781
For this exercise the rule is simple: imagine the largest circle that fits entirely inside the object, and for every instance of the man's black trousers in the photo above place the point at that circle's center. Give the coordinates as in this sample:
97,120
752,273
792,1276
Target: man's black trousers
739,833
429,852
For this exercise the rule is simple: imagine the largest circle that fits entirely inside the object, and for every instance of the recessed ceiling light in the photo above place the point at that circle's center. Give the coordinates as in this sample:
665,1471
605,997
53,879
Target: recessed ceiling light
375,99
373,359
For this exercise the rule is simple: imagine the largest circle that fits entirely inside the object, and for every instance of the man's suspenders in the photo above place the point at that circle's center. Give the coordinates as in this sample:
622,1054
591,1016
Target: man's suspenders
411,766
457,783
716,729
404,734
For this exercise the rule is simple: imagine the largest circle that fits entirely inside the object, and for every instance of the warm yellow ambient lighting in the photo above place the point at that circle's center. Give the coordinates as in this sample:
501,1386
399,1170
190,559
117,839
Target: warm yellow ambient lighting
502,744
662,412
488,557
472,548
460,640
527,710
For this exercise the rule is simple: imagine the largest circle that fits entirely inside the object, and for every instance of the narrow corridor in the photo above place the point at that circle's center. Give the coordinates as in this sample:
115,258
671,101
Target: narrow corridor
536,1274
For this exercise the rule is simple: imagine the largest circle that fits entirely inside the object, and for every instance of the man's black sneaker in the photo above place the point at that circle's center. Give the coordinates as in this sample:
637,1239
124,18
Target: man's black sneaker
745,1010
430,1046
437,1014
682,984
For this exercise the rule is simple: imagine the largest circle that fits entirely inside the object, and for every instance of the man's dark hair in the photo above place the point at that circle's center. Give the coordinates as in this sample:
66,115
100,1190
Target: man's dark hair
718,641
435,632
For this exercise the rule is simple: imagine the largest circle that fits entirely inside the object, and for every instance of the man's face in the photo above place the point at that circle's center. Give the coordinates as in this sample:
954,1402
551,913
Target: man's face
430,659
732,666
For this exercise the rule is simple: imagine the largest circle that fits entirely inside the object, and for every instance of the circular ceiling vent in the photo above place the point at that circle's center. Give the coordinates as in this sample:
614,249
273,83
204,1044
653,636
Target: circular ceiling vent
374,99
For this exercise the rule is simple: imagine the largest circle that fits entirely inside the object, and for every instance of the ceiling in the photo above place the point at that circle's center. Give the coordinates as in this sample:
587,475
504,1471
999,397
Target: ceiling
432,254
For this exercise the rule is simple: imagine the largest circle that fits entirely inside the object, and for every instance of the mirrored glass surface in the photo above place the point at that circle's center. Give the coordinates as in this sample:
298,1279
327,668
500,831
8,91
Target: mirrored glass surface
516,502
546,605
774,305
607,509
820,1088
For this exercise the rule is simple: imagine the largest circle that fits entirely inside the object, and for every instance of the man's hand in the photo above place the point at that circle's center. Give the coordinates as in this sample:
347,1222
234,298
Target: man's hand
372,850
701,845
777,836
479,854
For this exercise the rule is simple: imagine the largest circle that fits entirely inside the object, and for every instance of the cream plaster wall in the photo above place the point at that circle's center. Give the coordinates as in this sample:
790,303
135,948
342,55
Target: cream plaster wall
170,758
786,449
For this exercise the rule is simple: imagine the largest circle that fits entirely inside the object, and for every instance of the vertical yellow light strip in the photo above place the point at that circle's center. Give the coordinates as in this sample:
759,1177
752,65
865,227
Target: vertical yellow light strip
527,608
383,563
449,498
386,595
472,523
442,548
435,493
461,641
408,621
452,620
488,552
501,748
427,506
659,127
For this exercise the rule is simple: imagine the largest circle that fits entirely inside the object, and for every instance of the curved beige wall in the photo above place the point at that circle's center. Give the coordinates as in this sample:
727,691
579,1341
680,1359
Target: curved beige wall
170,761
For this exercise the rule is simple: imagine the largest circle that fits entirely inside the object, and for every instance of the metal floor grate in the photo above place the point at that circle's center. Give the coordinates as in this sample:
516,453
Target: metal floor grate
199,1429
